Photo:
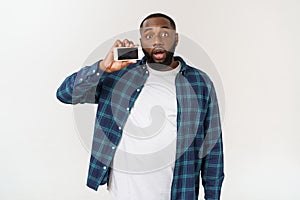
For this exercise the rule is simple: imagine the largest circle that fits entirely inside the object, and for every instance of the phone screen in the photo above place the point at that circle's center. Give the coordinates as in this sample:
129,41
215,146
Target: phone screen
127,53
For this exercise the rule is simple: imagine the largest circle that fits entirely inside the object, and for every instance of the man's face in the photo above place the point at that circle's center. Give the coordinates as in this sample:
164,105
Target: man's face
158,40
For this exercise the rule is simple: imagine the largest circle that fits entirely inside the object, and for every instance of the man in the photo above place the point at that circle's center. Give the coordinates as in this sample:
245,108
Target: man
157,124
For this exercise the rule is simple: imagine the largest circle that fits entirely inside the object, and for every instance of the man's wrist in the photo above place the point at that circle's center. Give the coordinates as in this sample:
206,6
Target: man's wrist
101,65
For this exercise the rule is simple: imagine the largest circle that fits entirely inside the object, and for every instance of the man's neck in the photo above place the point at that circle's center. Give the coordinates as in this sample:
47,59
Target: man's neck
162,67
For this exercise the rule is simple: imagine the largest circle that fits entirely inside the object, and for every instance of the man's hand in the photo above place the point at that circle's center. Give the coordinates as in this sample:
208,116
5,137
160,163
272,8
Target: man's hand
109,64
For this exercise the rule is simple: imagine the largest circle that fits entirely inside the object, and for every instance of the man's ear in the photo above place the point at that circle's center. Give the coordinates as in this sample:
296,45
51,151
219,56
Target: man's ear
176,39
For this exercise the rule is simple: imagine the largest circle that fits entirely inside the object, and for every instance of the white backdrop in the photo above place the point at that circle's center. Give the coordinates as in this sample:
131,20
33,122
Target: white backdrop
252,43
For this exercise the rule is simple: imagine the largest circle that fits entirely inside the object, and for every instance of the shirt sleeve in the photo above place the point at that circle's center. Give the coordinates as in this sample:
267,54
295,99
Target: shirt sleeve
82,86
212,169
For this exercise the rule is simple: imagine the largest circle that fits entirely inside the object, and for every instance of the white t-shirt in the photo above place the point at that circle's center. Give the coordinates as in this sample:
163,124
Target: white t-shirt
143,164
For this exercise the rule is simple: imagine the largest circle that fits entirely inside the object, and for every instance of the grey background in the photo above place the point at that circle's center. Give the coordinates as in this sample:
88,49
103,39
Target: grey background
253,44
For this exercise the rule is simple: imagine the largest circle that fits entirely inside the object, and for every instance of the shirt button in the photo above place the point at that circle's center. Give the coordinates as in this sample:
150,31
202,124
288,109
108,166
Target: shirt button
104,167
120,127
138,90
80,79
127,109
94,71
147,72
113,147
98,74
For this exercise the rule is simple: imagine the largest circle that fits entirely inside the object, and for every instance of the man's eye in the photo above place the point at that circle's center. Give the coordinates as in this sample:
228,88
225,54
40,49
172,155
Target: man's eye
165,34
148,36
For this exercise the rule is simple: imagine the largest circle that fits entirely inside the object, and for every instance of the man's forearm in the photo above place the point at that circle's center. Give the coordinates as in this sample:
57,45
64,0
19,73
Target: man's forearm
212,170
80,87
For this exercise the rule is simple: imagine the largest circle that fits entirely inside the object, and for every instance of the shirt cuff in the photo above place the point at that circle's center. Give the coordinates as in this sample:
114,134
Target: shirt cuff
89,75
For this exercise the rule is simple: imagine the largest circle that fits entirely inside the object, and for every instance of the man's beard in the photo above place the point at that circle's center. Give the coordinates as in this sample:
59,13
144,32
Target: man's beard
160,65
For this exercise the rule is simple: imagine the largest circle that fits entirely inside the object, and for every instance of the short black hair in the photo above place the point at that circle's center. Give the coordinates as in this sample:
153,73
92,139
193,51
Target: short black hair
159,15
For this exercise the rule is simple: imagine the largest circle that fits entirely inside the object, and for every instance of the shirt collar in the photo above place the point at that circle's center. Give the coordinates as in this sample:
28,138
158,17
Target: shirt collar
176,58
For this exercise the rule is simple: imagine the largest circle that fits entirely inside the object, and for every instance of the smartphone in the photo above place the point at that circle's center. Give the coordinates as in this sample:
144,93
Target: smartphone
128,53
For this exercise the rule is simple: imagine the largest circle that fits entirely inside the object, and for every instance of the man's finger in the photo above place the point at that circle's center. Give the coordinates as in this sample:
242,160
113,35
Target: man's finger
131,44
132,61
126,42
118,43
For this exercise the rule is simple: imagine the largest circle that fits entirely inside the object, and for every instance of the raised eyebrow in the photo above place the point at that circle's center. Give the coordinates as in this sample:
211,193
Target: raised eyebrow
147,29
166,27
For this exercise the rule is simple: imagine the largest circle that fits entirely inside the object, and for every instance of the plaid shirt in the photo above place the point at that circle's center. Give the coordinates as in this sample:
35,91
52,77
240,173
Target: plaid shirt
199,136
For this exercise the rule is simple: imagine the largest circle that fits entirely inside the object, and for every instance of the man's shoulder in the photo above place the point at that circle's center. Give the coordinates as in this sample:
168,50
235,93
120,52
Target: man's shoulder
198,75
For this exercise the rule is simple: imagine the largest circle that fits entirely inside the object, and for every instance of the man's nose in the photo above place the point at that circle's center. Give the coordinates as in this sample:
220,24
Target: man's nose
158,41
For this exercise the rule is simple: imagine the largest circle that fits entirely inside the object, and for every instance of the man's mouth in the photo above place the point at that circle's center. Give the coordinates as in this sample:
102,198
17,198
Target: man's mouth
159,53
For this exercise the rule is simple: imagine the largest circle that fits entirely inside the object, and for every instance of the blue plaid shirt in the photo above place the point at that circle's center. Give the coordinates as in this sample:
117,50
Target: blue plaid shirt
199,145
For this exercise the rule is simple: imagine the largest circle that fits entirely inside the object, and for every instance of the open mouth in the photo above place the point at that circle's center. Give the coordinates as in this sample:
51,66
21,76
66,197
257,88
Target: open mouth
159,53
